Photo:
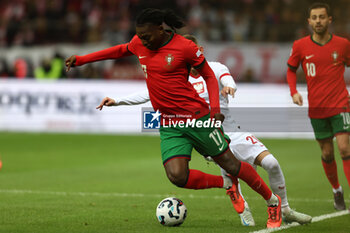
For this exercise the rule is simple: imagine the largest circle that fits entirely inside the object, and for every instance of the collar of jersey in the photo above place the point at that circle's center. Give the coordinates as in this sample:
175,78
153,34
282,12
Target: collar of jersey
195,76
322,44
171,37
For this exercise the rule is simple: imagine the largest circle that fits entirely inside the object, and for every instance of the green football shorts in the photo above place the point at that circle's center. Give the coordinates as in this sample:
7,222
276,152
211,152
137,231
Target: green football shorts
328,127
179,141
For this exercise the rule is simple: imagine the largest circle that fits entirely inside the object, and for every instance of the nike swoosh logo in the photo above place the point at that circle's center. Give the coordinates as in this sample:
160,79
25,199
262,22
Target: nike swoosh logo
308,57
140,57
222,146
346,127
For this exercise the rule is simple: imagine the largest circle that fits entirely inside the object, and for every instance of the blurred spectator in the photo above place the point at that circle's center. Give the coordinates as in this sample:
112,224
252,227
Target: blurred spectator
24,22
22,68
238,27
50,69
4,69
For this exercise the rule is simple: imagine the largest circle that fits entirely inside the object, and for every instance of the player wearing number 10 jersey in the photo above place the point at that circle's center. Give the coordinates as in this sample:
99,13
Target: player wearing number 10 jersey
323,57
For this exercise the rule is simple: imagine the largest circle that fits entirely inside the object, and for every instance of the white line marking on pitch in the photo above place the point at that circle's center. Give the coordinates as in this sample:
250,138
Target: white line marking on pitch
96,194
314,219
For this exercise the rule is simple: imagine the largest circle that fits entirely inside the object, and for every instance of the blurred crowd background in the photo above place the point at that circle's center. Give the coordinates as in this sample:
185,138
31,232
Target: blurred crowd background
28,23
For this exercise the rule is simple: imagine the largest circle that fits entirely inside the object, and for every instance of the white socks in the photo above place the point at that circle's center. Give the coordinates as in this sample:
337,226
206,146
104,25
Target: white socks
227,180
273,201
340,189
276,178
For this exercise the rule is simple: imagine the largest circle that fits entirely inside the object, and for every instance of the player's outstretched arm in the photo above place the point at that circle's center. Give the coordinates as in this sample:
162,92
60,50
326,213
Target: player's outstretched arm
106,102
114,52
133,99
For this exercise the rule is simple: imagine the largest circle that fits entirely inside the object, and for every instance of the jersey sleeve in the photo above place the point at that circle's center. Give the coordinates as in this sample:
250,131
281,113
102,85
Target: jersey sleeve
212,86
292,81
193,55
133,99
295,57
114,52
223,75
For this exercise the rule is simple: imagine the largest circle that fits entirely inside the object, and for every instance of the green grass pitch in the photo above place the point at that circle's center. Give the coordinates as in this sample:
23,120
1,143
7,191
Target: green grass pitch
106,183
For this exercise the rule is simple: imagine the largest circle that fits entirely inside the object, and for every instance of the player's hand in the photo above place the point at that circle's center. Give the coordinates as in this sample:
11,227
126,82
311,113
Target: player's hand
228,91
70,62
298,99
219,117
106,102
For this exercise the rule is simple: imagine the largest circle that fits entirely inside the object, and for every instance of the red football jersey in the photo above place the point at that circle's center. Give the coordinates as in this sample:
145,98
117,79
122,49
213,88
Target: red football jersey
166,71
324,67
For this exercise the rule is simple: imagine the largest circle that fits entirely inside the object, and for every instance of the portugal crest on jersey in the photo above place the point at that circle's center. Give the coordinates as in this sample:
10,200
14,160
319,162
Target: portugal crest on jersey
335,56
169,59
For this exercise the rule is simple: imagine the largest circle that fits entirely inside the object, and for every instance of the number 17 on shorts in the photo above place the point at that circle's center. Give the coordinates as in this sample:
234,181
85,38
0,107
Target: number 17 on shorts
218,138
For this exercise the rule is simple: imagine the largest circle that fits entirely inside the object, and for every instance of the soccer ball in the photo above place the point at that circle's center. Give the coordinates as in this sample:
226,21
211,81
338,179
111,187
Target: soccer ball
171,211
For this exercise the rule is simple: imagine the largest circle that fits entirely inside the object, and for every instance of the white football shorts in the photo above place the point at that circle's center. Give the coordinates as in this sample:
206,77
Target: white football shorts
245,146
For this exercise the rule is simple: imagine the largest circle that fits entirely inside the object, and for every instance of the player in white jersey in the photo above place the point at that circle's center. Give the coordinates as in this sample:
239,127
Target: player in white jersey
244,145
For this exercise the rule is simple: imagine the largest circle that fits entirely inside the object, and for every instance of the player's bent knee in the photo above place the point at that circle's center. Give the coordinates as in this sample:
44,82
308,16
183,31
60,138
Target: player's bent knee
177,171
177,178
270,163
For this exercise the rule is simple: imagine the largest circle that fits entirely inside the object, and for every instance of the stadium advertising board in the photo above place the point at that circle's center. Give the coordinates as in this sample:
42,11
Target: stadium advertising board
70,106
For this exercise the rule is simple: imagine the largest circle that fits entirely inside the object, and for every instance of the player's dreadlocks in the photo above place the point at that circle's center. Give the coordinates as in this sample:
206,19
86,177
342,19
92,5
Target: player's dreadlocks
157,17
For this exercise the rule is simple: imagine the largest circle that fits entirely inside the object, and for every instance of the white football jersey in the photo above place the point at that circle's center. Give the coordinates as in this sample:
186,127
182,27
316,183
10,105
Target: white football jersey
200,86
220,71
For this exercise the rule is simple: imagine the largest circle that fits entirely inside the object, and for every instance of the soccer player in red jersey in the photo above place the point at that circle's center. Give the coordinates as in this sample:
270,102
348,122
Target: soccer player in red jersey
323,57
166,59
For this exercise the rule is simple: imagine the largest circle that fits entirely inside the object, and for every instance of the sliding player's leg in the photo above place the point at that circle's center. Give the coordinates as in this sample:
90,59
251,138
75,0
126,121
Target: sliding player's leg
248,148
248,174
218,149
277,183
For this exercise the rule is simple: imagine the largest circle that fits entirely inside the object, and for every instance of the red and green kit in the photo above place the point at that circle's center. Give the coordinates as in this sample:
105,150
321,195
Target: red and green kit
324,67
166,71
